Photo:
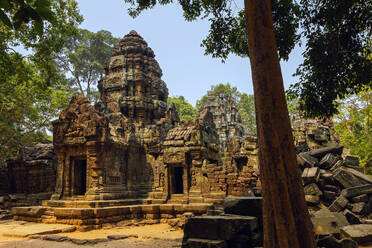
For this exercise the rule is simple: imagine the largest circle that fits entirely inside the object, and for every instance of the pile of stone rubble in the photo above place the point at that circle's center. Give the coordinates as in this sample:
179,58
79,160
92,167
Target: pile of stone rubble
339,196
336,183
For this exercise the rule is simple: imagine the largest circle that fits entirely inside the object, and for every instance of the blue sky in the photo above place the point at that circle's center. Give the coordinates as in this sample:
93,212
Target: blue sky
176,43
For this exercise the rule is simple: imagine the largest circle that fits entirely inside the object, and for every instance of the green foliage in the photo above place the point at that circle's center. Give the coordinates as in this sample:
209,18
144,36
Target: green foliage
354,126
336,60
337,36
83,56
14,14
247,111
32,89
243,101
227,31
185,110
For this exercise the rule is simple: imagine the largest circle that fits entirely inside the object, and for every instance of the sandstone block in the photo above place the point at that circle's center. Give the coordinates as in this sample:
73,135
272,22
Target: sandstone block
361,233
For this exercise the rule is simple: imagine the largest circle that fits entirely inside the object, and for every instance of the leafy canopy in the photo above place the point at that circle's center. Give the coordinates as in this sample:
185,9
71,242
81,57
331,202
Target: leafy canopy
32,89
336,34
83,57
227,30
185,110
354,126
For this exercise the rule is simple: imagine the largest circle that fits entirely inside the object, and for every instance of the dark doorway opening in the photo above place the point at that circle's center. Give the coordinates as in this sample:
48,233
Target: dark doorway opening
80,177
178,180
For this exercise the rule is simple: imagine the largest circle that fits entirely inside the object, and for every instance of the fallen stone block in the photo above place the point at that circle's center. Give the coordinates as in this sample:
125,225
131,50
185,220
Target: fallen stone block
304,159
365,178
329,187
361,233
351,160
351,217
311,175
312,189
329,196
360,198
221,228
56,238
246,206
321,152
327,222
338,204
357,190
117,237
359,208
346,179
203,243
312,200
337,165
79,241
328,161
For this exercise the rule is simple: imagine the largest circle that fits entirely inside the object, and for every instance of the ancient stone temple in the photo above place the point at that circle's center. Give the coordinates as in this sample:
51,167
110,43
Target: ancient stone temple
130,149
106,151
226,117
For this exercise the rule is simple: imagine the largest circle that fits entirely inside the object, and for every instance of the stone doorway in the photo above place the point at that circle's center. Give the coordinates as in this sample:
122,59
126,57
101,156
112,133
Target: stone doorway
177,180
79,176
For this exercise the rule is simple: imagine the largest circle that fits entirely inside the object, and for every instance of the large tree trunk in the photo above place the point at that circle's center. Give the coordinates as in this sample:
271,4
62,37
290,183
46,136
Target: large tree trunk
285,216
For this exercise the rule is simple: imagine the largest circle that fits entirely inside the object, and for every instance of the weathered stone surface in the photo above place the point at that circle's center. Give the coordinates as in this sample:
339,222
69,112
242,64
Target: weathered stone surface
339,204
234,230
57,238
33,171
357,190
306,160
312,189
321,152
328,161
117,237
246,206
203,243
361,233
346,179
327,222
360,198
351,217
359,208
351,160
312,200
310,175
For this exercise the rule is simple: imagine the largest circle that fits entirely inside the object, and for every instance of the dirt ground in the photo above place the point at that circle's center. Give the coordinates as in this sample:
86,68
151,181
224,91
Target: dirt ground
15,235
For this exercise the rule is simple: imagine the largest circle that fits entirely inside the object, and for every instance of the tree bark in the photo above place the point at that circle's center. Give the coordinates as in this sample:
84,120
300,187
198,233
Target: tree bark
285,215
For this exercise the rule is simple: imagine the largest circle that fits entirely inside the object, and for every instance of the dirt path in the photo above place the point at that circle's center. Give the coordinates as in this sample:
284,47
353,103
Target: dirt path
158,235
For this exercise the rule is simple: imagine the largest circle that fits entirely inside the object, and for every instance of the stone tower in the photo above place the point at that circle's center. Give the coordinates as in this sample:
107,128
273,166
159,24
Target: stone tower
133,84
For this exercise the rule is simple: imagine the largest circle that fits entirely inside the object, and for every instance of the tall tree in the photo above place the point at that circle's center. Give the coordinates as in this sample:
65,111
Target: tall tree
83,57
285,215
32,90
185,110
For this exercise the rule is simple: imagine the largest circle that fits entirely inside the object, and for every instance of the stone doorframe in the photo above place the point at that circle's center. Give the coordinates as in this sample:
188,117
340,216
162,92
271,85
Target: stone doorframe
170,180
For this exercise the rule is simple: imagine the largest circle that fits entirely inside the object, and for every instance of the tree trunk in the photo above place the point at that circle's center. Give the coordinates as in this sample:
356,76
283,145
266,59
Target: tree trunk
285,216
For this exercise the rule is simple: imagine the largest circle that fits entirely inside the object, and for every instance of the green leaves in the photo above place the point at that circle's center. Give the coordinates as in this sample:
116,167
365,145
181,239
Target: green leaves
83,56
22,12
336,62
354,126
185,110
